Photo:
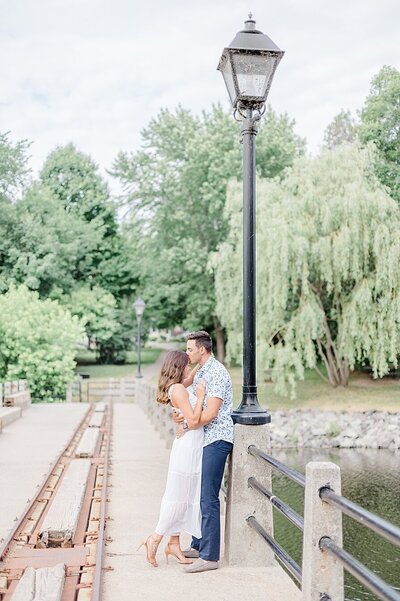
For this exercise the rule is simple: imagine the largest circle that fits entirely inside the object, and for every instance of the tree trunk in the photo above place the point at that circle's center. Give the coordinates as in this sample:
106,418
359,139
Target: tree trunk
219,334
337,368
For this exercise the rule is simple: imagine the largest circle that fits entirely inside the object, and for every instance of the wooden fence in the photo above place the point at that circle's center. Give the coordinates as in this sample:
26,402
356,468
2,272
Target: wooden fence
90,390
15,394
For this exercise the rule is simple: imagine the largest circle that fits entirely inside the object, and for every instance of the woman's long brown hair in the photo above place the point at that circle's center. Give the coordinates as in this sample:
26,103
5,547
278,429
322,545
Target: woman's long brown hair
171,373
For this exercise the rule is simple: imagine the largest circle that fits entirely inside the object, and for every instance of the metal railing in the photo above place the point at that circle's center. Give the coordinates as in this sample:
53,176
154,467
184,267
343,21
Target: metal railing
372,521
359,571
382,527
290,564
279,551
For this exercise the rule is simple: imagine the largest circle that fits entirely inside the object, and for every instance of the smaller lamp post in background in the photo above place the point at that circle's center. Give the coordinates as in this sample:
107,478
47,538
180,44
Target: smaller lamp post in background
139,310
248,65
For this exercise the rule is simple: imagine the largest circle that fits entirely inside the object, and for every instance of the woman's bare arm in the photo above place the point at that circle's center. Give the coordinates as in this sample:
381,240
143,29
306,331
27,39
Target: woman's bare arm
189,380
180,400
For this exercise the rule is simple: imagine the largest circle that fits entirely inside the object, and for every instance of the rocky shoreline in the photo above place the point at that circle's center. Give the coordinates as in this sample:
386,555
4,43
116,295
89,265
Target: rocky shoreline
329,429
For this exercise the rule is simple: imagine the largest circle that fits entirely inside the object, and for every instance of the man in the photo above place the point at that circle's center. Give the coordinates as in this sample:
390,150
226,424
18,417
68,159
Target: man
218,444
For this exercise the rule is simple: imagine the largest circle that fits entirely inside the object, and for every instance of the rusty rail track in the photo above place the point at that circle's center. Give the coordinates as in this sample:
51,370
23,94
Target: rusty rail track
82,556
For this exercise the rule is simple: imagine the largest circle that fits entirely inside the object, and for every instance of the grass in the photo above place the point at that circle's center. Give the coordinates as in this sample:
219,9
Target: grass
87,364
362,394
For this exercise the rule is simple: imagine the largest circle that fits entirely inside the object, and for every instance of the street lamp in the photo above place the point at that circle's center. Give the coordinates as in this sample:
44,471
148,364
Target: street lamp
139,310
248,65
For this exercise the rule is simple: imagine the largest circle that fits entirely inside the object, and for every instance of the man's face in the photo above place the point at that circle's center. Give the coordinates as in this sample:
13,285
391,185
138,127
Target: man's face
193,352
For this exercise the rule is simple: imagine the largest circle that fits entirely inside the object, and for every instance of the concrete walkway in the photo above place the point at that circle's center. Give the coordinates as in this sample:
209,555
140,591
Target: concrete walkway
28,447
138,475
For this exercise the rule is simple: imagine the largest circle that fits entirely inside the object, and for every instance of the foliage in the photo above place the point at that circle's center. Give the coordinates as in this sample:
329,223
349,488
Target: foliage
96,310
380,123
75,182
14,174
333,430
73,178
115,350
37,342
63,236
45,246
176,185
328,269
342,130
14,170
277,145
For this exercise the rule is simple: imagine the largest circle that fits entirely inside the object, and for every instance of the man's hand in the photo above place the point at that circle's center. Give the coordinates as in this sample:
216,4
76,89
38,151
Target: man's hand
180,431
177,418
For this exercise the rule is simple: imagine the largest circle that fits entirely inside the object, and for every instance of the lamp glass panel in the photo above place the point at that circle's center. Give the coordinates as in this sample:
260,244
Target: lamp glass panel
226,71
139,307
254,73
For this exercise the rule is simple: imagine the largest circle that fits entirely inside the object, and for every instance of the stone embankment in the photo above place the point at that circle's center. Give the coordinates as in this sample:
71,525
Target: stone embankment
317,429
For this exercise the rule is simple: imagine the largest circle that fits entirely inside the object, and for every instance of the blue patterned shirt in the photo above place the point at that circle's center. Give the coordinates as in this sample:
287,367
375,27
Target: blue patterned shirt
218,384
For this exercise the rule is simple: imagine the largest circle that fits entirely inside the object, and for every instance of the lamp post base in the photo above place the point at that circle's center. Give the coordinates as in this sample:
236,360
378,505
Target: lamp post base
249,413
251,418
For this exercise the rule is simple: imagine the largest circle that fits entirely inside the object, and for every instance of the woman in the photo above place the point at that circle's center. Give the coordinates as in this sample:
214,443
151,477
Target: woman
180,506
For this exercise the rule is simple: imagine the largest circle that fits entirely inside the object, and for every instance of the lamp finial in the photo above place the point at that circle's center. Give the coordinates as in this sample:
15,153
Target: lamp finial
250,24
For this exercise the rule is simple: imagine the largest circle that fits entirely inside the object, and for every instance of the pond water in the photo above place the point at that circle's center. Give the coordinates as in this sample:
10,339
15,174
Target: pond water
370,478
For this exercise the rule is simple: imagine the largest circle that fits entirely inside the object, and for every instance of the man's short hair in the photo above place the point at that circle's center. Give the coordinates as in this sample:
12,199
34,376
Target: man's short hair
201,338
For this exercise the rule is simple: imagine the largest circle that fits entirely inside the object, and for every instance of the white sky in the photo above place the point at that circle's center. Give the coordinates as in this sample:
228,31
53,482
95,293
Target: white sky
96,71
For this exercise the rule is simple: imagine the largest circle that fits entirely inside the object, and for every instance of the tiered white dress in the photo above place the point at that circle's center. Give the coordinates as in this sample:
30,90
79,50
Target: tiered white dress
180,505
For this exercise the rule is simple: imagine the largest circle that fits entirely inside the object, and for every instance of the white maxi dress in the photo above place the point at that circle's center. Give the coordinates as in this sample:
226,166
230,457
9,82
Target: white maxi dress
180,505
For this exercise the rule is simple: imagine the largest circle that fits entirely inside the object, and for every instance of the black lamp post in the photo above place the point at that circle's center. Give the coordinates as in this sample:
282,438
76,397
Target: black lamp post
139,310
248,65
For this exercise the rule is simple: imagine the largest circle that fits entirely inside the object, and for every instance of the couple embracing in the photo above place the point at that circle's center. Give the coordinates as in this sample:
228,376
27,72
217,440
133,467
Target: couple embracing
201,400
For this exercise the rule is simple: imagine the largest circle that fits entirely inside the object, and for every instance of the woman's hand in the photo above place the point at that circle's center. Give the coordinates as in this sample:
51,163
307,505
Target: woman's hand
201,390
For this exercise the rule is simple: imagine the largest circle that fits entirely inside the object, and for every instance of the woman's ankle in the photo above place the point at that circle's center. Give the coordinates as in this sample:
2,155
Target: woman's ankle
174,540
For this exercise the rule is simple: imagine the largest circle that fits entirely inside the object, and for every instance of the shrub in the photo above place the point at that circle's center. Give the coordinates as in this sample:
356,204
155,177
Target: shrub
37,342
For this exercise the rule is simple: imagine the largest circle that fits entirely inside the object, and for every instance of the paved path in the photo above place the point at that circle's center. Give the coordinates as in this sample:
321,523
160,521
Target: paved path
139,469
28,447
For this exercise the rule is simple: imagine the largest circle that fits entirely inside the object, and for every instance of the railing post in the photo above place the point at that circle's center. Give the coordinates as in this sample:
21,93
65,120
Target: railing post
243,546
322,573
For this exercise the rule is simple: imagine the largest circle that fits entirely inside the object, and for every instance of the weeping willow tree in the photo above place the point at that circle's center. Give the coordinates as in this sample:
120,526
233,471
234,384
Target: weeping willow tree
328,270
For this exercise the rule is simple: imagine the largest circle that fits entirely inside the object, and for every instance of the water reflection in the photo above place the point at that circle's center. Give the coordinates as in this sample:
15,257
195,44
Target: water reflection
370,478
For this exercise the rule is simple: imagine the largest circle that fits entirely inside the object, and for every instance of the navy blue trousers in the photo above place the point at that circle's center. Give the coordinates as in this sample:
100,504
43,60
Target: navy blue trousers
214,458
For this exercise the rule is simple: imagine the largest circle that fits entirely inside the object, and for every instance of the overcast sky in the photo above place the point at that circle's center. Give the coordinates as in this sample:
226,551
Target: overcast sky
95,71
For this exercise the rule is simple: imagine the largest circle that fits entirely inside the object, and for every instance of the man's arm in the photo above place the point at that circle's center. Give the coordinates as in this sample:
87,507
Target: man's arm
208,414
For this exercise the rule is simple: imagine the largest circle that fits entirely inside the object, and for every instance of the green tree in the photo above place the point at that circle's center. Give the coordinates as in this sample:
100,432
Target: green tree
328,269
14,174
37,342
277,145
46,247
75,182
380,123
115,349
342,130
73,178
176,185
107,261
14,169
96,310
